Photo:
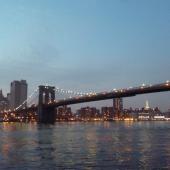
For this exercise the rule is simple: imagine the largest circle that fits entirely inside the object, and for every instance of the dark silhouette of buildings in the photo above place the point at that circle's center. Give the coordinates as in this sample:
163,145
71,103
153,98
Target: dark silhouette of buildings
4,103
117,106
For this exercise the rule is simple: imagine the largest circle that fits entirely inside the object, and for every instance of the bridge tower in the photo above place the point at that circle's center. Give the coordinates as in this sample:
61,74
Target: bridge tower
46,95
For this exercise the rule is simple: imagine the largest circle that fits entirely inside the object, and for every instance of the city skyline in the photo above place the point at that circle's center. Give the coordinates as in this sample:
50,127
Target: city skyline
16,107
89,45
19,89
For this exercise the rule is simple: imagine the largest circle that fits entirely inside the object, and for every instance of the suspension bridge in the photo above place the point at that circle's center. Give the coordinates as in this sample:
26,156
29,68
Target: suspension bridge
43,99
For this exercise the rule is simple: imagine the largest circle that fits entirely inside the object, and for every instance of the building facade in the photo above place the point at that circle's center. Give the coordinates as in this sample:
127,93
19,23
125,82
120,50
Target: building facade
4,103
18,93
117,106
107,113
88,113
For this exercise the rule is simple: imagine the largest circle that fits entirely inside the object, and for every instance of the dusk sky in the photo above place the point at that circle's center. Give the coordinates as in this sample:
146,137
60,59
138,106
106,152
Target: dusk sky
86,45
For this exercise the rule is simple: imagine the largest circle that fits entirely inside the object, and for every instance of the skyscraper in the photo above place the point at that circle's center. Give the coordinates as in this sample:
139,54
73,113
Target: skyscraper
24,89
117,106
1,95
18,93
4,104
147,105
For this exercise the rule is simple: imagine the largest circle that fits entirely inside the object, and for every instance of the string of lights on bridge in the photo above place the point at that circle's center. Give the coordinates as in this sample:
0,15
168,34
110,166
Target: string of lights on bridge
57,89
71,94
26,102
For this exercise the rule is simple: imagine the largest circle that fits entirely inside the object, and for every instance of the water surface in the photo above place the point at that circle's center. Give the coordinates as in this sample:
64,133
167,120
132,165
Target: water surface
92,145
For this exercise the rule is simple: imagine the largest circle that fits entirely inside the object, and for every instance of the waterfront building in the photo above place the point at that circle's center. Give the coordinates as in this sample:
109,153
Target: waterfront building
144,116
159,117
88,113
107,113
64,114
147,113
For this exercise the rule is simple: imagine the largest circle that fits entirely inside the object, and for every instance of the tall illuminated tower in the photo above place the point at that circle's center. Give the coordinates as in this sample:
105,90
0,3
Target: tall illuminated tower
147,105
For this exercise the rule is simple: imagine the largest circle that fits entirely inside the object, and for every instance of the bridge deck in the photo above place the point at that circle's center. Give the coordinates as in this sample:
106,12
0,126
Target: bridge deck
129,92
113,94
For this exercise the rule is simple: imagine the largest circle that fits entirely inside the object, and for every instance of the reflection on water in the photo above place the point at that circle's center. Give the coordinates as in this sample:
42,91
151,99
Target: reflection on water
93,145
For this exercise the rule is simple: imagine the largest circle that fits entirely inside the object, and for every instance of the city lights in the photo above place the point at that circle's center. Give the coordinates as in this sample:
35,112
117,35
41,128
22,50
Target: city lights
70,96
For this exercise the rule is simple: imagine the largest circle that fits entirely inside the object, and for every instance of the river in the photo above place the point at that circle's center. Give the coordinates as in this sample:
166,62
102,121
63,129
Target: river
85,145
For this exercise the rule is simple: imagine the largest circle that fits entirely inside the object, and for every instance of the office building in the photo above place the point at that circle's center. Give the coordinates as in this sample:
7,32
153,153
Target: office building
117,107
64,113
88,113
18,93
107,113
4,104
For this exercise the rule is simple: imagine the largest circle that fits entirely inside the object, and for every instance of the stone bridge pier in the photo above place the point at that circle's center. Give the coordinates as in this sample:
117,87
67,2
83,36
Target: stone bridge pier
46,95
